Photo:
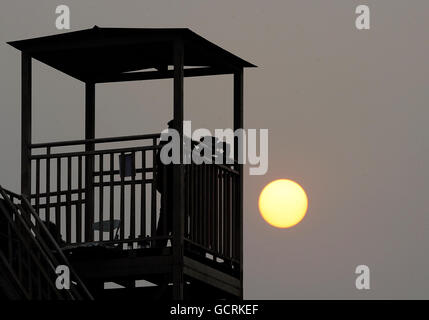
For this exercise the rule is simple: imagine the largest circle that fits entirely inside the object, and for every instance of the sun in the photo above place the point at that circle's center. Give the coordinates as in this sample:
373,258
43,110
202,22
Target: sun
283,203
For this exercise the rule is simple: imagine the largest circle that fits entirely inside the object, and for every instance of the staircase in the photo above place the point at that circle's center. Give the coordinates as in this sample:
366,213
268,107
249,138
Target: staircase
30,255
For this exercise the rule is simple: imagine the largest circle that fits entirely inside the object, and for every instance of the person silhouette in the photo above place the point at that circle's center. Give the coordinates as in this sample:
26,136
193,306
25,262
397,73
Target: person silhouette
164,185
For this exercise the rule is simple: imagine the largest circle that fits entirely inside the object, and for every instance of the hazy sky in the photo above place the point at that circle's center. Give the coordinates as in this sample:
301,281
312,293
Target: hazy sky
346,111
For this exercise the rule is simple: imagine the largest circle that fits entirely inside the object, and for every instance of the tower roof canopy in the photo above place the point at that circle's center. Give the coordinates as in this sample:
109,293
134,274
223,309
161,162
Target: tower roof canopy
107,52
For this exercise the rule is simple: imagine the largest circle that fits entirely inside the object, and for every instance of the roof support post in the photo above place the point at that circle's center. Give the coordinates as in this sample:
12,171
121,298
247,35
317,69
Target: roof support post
178,175
25,124
238,124
89,160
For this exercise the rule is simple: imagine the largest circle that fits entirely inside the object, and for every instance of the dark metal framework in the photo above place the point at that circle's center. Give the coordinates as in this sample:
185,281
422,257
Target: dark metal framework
208,199
29,254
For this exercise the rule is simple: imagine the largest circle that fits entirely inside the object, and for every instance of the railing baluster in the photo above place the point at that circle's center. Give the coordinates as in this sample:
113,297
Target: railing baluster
236,233
190,203
186,200
230,231
205,205
221,212
58,206
197,200
133,201
122,204
203,211
215,208
112,194
166,197
201,206
198,203
153,194
210,205
101,197
37,186
68,196
143,198
232,211
190,200
228,215
225,213
206,212
48,186
79,205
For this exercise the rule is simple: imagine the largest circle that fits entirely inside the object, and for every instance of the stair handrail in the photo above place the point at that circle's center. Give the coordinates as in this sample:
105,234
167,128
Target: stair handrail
57,247
12,224
44,249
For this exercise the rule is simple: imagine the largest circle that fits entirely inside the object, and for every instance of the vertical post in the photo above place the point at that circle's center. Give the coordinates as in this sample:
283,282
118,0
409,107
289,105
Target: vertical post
89,160
238,124
178,175
25,124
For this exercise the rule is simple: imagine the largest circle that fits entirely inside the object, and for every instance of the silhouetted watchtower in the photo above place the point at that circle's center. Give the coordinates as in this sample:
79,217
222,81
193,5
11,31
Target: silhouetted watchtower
101,193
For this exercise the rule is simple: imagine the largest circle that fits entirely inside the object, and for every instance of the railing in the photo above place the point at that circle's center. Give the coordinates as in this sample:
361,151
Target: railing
212,210
117,204
30,254
212,207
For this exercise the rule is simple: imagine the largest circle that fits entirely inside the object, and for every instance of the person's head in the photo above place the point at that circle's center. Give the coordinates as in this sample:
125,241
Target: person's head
171,123
171,126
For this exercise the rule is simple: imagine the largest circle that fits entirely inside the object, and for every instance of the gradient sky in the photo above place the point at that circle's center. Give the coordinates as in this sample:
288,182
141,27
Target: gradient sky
347,114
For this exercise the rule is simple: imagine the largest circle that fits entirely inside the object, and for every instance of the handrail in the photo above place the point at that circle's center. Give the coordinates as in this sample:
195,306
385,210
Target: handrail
42,247
92,153
118,150
11,193
57,248
226,168
105,140
96,140
26,245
